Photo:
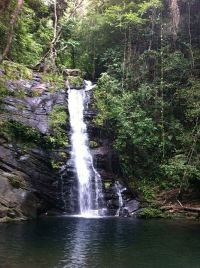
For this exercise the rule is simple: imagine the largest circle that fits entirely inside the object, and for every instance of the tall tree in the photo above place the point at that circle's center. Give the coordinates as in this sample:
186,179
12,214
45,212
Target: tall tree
10,35
11,28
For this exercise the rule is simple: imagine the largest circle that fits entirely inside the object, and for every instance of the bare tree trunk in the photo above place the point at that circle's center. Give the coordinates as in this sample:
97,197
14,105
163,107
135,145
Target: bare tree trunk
153,17
175,14
162,86
11,29
190,36
124,60
53,53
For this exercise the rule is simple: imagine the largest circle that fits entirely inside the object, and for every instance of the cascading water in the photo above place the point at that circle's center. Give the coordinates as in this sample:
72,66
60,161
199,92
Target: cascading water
120,199
89,181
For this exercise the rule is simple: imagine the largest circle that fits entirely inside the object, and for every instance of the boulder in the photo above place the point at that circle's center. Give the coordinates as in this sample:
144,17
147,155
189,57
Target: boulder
72,72
74,82
132,206
29,184
14,201
38,90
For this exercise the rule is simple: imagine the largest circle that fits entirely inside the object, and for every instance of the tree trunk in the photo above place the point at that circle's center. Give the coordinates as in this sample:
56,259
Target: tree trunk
4,5
11,29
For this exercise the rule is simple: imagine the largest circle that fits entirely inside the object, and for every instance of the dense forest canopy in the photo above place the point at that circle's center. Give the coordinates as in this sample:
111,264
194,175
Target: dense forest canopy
144,56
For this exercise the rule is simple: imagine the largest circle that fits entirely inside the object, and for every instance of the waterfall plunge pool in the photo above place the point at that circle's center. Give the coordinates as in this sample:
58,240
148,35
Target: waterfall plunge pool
72,242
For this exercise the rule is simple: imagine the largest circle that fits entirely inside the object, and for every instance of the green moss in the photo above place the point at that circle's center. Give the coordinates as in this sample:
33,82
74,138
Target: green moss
20,93
19,106
63,155
3,88
35,93
56,81
58,138
58,115
4,91
17,182
93,144
107,184
17,131
57,120
56,164
16,71
75,81
59,160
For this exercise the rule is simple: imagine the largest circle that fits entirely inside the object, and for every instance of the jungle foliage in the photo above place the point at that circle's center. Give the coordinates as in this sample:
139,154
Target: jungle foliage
144,56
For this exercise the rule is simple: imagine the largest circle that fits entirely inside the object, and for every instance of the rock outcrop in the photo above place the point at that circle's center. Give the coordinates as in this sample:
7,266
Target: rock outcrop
36,174
29,160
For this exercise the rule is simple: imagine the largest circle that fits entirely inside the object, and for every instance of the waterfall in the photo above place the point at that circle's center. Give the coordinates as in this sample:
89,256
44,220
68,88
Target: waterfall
120,199
89,181
62,192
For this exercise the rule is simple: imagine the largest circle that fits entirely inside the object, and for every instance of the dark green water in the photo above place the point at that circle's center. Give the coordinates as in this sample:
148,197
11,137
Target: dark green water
100,243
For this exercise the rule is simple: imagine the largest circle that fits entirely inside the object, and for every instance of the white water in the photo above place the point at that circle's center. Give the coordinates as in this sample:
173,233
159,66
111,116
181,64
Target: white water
62,192
90,186
119,193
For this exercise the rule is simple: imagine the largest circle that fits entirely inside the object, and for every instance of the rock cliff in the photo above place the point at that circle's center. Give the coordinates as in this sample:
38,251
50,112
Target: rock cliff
36,175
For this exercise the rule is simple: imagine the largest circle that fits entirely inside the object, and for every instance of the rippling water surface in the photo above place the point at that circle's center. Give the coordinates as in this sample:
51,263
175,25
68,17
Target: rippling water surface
100,243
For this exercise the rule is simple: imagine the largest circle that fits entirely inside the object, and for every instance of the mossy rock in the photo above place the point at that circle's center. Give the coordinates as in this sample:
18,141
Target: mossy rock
17,131
63,155
17,181
94,144
58,115
59,159
57,121
37,90
107,184
5,91
16,71
75,82
3,88
20,93
55,80
72,72
56,164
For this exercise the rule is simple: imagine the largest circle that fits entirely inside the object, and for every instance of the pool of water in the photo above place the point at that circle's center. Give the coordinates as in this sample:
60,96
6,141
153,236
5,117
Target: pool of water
100,243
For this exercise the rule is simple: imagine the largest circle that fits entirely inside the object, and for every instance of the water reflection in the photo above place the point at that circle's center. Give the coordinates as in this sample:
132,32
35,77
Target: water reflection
99,243
89,239
75,251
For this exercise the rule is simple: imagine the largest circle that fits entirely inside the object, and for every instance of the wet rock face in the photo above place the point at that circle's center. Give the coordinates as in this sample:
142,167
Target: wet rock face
130,208
120,200
29,184
16,200
33,168
34,104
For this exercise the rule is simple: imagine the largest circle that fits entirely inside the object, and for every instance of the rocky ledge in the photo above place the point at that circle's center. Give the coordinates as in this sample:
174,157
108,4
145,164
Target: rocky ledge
33,142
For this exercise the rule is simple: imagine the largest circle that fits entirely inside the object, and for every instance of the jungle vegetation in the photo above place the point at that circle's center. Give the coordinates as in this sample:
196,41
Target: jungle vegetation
144,56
